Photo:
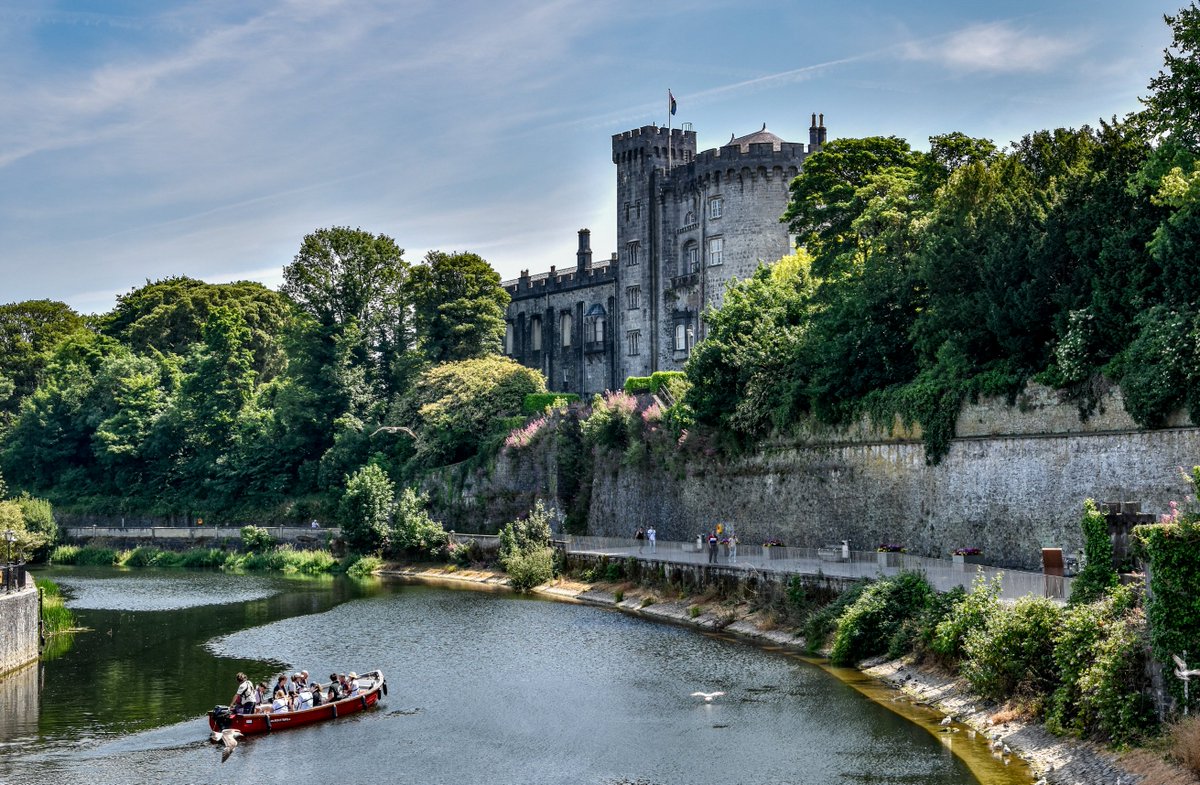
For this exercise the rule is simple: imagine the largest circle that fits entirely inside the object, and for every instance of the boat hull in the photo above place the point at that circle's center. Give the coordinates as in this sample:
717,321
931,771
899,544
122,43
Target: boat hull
255,724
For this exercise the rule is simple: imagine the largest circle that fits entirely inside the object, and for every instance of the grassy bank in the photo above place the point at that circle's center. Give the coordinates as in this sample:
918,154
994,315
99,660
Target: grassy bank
284,559
56,616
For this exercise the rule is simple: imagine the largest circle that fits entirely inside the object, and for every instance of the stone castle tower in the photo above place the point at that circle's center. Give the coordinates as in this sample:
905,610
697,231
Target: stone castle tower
687,224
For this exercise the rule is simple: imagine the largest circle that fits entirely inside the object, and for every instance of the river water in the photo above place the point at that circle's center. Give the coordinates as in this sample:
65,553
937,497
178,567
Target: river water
485,687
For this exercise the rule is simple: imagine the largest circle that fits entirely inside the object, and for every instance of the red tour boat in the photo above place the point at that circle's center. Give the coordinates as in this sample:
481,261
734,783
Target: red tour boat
371,687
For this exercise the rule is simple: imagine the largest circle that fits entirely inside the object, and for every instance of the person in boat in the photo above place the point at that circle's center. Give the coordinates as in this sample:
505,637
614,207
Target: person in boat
262,697
280,704
303,699
352,685
335,687
243,700
304,679
317,696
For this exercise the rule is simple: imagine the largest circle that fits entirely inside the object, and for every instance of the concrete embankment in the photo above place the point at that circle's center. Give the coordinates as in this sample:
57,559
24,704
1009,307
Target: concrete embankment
923,696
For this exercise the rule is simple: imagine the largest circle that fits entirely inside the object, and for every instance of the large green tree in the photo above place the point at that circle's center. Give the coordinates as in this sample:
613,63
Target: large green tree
29,331
459,305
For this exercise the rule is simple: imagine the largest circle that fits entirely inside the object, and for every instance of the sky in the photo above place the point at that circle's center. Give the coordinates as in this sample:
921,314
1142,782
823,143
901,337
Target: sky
143,139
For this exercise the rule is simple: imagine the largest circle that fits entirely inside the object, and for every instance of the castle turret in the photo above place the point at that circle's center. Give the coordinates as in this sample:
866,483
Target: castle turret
814,138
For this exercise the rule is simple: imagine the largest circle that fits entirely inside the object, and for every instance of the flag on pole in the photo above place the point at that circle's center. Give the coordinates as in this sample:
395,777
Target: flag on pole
671,101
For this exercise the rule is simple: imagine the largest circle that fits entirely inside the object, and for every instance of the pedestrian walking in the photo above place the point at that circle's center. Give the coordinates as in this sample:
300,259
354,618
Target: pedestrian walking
652,538
640,536
732,548
712,548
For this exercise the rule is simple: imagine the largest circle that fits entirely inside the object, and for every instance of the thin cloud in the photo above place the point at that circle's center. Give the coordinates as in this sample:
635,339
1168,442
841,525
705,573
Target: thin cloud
996,47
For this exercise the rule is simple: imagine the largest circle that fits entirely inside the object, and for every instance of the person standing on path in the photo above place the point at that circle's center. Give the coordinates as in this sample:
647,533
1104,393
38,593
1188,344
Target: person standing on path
732,548
712,548
652,537
640,536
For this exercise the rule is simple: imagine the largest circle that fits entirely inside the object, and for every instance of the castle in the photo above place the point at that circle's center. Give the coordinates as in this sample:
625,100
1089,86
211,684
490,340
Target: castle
687,223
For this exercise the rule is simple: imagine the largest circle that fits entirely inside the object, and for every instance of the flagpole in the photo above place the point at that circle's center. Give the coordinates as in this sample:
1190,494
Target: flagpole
669,145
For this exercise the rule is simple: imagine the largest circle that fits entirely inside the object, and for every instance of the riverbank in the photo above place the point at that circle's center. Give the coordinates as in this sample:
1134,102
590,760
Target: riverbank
1056,760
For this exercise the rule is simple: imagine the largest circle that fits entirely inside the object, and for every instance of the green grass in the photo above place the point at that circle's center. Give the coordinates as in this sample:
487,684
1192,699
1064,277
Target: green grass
285,559
56,616
364,567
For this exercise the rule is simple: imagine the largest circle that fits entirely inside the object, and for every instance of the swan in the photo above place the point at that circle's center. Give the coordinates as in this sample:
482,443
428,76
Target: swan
708,696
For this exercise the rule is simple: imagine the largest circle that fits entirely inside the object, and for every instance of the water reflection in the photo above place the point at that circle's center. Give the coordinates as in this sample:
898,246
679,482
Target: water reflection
485,688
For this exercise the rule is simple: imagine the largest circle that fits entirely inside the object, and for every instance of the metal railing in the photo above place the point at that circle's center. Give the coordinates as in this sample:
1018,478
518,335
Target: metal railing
12,577
942,574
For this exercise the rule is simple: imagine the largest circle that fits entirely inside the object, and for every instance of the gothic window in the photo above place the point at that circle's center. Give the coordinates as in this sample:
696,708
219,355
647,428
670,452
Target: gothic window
564,326
535,334
716,249
689,219
633,297
634,339
680,337
716,206
593,327
632,251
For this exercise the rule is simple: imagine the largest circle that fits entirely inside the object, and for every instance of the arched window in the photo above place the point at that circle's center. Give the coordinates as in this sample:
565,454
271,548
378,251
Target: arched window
593,326
564,328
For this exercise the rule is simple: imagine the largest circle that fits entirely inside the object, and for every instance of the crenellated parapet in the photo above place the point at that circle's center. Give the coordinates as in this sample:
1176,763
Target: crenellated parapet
650,144
555,281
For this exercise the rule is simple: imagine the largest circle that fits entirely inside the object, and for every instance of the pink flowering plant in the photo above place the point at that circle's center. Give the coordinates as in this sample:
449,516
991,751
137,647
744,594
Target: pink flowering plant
524,436
968,551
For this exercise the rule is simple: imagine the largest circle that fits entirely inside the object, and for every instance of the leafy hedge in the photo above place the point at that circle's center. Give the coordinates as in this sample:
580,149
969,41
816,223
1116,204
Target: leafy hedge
536,403
652,384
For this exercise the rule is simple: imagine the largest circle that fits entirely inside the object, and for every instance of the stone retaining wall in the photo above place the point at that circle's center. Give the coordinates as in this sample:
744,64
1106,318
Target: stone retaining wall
19,614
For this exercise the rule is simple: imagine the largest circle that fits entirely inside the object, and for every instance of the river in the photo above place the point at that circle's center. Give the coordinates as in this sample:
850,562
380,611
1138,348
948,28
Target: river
485,687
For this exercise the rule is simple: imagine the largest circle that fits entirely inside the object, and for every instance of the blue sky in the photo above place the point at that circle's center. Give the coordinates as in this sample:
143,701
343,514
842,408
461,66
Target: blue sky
143,139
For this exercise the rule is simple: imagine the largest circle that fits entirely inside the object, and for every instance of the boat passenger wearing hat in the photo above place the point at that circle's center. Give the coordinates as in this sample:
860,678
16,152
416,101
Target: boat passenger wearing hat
352,683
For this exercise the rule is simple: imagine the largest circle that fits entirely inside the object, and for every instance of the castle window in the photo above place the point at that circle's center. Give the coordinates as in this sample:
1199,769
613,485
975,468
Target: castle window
633,297
683,337
634,339
564,326
535,334
593,327
632,252
716,251
508,338
691,259
716,206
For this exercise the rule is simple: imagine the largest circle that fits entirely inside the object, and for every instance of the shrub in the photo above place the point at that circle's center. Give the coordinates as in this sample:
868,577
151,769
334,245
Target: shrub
412,528
923,628
867,626
637,385
366,509
92,556
1113,689
364,566
525,551
1013,654
819,626
203,558
64,554
1185,743
256,539
613,422
972,613
464,552
530,569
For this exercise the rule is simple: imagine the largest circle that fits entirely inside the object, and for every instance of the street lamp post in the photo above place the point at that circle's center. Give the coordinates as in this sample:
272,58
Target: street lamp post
10,536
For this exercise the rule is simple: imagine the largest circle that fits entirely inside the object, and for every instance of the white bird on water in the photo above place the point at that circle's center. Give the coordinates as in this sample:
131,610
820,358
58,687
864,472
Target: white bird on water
708,696
229,737
946,721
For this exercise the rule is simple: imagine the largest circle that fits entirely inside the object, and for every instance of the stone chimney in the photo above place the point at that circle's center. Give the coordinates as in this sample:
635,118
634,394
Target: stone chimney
583,257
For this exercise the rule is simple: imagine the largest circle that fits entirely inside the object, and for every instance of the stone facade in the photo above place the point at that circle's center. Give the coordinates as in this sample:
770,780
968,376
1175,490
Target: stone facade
687,224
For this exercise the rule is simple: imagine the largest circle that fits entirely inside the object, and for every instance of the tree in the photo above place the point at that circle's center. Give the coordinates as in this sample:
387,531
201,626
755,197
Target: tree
1173,105
348,279
459,306
366,509
739,372
29,331
823,203
412,528
169,315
